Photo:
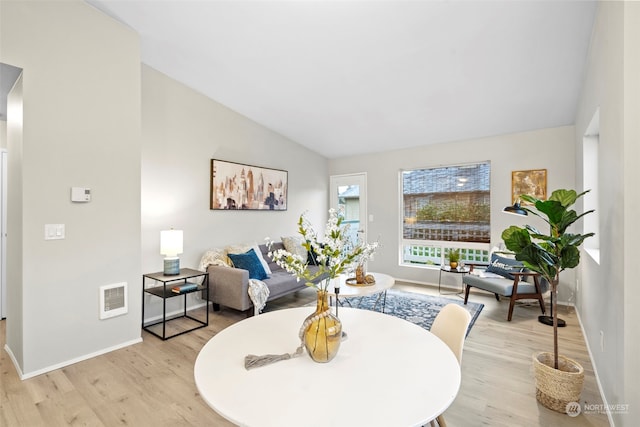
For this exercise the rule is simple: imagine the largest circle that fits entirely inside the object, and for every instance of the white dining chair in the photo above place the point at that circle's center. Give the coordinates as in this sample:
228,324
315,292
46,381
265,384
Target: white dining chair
450,325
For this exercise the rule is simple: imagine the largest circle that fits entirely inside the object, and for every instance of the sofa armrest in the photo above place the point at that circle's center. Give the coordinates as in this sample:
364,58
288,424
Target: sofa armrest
229,287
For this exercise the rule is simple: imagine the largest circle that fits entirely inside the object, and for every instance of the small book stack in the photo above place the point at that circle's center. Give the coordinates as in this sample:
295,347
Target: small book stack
183,288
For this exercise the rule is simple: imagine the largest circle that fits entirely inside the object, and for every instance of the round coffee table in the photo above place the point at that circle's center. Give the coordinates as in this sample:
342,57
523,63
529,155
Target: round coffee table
383,282
389,372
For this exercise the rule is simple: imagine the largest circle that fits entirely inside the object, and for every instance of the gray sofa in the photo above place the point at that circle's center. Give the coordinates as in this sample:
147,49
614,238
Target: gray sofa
229,286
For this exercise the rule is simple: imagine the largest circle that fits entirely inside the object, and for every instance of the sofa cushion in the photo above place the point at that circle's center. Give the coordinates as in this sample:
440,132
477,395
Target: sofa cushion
499,286
265,253
249,261
243,248
263,261
293,245
312,257
504,266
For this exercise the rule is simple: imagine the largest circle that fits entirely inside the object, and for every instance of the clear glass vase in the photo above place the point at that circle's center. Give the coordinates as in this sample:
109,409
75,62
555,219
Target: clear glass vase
323,334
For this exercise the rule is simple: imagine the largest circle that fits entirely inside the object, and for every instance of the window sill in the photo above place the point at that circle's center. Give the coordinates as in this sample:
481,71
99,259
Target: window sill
417,265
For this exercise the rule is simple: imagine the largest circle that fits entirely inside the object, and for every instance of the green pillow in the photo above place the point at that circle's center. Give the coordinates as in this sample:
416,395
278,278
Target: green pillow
249,261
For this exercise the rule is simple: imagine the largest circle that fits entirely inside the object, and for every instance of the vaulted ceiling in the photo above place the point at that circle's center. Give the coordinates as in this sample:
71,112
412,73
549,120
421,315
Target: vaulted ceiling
351,77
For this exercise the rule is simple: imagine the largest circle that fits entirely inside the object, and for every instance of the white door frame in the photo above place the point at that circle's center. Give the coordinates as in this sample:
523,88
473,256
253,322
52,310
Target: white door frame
350,179
3,233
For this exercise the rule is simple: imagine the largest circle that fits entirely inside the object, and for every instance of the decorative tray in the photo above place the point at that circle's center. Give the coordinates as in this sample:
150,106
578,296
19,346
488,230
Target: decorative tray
353,282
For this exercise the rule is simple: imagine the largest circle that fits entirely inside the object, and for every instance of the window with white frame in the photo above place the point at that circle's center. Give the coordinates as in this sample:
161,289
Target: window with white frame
444,208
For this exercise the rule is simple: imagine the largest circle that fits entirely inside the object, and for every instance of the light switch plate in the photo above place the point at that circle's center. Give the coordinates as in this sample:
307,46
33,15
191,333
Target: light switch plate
53,231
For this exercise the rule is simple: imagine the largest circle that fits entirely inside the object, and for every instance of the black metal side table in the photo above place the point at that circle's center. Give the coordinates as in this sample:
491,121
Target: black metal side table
186,282
448,269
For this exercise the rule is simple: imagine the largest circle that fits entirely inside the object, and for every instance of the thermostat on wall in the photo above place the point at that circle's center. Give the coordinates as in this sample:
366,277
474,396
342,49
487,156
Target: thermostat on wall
80,194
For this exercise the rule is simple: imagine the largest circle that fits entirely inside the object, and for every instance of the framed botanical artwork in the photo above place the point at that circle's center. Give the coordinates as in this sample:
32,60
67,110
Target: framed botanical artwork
532,182
236,186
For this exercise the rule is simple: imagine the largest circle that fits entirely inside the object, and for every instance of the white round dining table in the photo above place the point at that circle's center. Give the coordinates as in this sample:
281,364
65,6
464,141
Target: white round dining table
388,372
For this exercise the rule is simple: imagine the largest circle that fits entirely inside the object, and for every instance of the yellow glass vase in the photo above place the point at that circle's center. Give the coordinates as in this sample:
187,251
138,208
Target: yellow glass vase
323,333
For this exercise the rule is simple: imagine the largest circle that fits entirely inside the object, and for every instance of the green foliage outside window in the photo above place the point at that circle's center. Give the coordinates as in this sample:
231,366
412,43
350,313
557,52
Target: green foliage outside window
454,212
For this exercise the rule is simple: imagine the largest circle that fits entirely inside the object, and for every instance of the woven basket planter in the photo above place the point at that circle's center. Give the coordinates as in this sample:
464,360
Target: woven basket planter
555,388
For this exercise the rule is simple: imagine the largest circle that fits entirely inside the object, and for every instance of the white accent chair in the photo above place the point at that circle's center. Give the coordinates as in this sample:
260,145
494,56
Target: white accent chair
450,325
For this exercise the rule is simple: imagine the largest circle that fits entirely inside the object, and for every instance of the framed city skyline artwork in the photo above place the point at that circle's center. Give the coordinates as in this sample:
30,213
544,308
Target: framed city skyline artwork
531,182
236,186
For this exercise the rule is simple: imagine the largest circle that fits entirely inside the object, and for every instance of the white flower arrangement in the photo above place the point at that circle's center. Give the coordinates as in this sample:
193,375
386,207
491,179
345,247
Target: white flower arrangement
334,253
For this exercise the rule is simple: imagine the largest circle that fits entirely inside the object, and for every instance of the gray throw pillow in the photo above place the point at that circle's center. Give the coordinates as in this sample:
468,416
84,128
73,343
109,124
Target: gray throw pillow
504,266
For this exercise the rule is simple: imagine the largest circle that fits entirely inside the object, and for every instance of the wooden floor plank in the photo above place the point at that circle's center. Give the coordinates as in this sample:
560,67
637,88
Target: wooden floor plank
151,383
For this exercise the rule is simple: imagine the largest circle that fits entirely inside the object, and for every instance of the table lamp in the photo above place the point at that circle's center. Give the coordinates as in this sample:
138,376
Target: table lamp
170,247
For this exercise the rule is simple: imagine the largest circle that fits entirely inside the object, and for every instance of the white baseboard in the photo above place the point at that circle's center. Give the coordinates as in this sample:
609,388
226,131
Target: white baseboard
416,282
13,360
24,376
595,370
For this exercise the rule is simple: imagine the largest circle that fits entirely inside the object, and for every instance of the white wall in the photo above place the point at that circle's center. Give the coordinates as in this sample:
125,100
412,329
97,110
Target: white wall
14,303
3,134
143,143
81,107
551,149
608,290
631,336
182,131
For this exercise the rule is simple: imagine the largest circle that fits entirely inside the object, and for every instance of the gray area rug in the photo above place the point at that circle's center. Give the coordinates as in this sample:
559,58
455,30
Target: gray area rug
416,308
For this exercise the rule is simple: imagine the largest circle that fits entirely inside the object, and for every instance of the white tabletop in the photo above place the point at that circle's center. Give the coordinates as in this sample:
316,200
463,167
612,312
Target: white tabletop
388,372
383,282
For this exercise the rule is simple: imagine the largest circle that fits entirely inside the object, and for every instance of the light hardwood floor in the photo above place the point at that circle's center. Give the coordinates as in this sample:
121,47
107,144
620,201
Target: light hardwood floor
151,383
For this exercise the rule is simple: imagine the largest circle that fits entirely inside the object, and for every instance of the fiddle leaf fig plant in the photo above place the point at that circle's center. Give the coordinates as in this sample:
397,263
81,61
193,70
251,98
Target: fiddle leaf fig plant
549,254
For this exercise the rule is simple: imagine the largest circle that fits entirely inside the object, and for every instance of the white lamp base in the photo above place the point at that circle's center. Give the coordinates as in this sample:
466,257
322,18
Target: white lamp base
171,266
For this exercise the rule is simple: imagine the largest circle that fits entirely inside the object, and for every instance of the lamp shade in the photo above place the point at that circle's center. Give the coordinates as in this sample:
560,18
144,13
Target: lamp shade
171,242
515,210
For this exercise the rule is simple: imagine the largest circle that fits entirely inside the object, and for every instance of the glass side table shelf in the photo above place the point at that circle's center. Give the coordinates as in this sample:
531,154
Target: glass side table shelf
447,269
186,282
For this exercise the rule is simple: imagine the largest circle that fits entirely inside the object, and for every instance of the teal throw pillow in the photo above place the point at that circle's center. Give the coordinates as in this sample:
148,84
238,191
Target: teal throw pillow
249,261
504,266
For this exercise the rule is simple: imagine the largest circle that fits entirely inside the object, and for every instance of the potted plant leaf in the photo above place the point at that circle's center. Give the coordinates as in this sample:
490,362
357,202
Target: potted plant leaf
454,258
558,379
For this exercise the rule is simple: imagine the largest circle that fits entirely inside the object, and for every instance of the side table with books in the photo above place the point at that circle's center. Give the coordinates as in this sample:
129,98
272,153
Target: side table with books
166,287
